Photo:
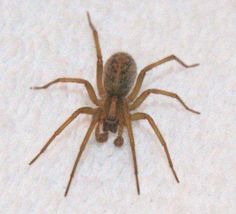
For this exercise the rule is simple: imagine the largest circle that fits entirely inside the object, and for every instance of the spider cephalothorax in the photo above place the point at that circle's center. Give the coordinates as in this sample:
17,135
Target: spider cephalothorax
117,100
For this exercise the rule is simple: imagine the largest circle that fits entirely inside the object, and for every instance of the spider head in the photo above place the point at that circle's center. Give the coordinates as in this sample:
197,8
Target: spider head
110,125
111,121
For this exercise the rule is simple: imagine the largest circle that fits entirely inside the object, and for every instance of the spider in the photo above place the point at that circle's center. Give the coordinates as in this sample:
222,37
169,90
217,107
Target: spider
112,112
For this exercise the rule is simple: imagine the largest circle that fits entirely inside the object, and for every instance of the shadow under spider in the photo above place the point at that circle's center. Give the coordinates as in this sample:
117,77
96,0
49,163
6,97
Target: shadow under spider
116,100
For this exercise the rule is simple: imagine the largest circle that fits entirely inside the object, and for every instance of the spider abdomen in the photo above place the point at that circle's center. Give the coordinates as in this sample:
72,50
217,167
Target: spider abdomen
119,74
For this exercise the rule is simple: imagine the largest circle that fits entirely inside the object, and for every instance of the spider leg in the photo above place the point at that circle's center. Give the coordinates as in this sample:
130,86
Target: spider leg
86,83
82,147
143,72
99,57
140,116
138,101
127,118
84,110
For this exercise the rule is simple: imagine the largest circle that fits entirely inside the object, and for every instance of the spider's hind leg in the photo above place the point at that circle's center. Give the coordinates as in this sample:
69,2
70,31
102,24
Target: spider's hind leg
149,67
101,89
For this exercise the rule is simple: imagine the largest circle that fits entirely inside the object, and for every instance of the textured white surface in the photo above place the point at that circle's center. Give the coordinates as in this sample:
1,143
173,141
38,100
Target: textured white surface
43,40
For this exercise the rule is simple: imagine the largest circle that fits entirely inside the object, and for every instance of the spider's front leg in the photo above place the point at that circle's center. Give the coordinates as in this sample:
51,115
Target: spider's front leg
138,101
142,116
86,83
143,72
127,118
84,110
82,147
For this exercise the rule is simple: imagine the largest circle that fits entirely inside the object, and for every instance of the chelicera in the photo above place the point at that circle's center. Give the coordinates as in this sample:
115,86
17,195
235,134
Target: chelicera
115,103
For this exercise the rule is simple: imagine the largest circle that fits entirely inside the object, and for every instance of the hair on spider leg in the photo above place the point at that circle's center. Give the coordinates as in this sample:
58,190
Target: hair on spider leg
118,90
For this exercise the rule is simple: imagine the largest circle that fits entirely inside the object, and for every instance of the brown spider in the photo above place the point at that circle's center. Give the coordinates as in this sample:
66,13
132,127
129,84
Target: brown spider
114,106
